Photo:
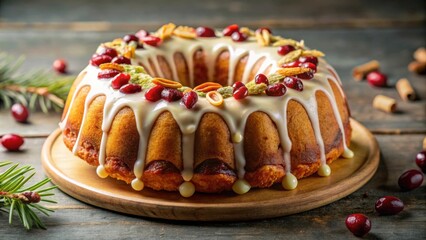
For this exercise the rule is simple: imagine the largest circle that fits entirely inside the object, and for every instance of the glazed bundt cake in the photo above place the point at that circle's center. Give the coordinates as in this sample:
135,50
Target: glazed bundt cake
198,110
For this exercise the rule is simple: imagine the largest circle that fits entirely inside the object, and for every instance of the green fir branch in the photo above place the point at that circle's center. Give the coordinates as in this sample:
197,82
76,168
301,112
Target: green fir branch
34,89
17,199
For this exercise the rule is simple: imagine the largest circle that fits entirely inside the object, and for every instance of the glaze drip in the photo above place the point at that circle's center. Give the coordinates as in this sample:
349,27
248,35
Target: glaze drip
234,113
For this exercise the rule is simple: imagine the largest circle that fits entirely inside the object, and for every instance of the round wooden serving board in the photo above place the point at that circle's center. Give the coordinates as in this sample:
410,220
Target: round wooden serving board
78,179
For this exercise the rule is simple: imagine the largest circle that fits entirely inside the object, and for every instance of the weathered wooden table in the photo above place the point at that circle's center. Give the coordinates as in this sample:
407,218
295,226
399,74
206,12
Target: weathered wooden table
350,33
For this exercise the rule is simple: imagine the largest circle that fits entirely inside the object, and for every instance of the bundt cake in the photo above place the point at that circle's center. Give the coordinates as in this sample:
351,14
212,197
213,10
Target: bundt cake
199,110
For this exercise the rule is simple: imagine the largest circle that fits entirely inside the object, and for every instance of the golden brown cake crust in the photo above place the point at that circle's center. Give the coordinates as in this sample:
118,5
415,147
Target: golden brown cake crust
214,159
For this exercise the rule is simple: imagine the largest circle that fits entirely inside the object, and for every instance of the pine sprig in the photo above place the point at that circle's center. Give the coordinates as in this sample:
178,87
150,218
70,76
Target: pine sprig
18,199
34,89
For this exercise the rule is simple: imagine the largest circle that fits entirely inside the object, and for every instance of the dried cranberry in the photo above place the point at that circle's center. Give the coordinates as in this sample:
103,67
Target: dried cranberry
205,32
121,79
154,94
283,50
130,38
142,33
389,205
306,75
358,224
377,79
108,51
310,59
108,73
130,88
171,95
152,40
291,64
99,59
189,99
410,180
276,89
60,65
261,78
241,93
421,160
121,60
294,83
229,30
238,37
259,30
237,85
310,65
19,112
12,142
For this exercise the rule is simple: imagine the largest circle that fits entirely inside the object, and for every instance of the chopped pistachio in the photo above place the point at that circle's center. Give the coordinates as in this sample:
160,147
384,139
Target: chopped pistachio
226,91
142,79
255,89
274,78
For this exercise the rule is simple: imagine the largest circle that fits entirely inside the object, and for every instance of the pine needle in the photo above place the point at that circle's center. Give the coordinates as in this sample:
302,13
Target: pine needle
34,89
22,201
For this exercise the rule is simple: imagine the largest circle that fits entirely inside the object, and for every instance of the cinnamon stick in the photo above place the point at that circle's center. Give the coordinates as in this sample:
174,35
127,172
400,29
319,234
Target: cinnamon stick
417,67
420,55
384,103
424,143
405,89
359,72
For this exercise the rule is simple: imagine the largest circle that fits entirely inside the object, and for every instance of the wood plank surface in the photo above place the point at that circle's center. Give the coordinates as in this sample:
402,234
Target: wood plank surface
77,220
110,15
349,32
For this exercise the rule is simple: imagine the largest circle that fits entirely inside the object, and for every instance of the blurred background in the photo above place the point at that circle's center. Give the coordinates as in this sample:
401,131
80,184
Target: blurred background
350,32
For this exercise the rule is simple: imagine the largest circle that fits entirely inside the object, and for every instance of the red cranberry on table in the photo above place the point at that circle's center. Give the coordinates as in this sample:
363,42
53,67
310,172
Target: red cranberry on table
389,205
60,65
12,142
121,60
261,78
294,83
377,79
283,50
130,88
154,94
238,37
119,80
358,224
205,32
229,30
237,85
240,93
410,180
19,112
421,160
99,59
189,99
277,89
171,95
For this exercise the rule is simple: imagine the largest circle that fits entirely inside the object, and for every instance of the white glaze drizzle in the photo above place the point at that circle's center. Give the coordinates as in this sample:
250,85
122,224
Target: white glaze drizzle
234,113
